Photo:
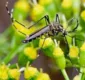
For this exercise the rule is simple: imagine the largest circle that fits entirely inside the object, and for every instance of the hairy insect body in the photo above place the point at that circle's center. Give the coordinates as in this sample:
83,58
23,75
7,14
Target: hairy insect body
56,28
52,29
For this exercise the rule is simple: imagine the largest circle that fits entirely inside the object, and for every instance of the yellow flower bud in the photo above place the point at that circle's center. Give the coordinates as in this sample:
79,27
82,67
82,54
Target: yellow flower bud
3,75
83,15
14,73
3,67
37,11
66,3
23,5
59,58
74,51
58,52
47,42
30,52
3,72
30,72
46,2
43,76
83,47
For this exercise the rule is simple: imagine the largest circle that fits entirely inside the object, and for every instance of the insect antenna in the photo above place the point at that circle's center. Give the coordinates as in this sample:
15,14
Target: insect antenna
9,13
12,18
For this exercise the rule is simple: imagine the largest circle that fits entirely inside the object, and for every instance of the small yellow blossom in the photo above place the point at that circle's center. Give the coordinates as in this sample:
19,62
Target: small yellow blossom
30,72
46,2
66,3
3,72
23,5
83,15
3,66
14,73
43,76
58,52
74,51
83,47
30,52
45,42
37,11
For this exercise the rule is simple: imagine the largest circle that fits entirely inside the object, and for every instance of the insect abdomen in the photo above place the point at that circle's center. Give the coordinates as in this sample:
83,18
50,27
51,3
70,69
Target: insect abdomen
37,34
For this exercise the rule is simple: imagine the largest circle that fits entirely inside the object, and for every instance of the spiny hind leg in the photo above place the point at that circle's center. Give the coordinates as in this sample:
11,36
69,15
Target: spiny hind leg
46,17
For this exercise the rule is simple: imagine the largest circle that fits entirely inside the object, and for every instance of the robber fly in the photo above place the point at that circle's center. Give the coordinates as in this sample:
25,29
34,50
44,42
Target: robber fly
51,28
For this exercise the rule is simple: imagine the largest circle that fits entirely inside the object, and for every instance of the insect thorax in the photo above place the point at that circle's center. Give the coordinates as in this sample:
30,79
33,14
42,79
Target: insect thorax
57,27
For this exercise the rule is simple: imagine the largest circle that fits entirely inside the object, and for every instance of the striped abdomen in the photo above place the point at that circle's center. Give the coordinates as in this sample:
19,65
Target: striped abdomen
37,34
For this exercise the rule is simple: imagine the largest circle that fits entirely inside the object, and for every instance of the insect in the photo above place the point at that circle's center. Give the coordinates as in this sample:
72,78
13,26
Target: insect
51,28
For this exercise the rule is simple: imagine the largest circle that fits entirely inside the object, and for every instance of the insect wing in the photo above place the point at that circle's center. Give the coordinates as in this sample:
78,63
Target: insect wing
72,25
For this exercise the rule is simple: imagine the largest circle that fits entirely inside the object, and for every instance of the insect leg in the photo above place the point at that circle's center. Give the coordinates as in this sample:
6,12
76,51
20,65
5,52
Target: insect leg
12,19
57,18
10,14
43,43
46,36
66,43
46,17
19,30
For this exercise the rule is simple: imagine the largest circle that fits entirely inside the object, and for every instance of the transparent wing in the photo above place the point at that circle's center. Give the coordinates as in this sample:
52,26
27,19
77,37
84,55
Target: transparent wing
72,25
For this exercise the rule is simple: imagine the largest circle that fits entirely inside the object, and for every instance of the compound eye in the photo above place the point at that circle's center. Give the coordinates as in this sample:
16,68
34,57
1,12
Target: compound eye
24,41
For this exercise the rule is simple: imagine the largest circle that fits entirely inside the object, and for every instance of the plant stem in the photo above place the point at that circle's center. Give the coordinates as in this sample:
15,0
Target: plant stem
12,54
80,74
65,74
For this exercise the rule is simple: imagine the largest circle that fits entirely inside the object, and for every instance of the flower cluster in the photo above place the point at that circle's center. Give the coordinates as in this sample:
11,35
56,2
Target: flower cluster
30,73
7,73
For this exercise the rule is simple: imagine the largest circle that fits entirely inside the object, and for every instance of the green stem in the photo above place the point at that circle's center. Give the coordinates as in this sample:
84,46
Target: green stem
12,54
65,74
80,74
